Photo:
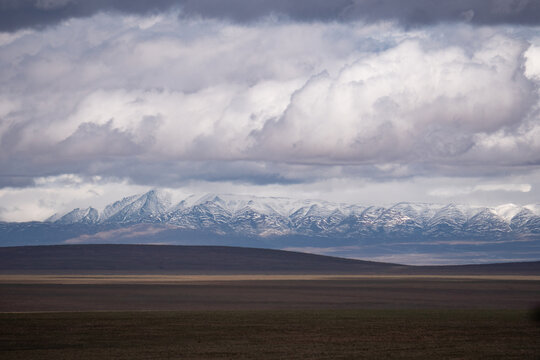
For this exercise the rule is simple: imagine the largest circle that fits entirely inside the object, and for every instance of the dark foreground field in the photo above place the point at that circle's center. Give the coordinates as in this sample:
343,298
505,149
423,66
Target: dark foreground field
339,293
315,334
367,317
190,303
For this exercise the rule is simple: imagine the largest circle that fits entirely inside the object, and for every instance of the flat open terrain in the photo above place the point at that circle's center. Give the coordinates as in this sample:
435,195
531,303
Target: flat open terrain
175,279
336,334
89,293
168,308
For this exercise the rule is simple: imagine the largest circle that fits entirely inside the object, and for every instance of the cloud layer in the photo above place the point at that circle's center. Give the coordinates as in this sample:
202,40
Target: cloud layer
216,102
282,93
19,14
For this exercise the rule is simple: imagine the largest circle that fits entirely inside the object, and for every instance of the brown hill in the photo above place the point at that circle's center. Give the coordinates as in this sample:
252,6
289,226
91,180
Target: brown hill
166,259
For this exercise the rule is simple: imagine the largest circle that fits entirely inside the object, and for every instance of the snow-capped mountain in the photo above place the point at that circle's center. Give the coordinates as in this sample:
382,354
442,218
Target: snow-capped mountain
146,207
260,216
85,216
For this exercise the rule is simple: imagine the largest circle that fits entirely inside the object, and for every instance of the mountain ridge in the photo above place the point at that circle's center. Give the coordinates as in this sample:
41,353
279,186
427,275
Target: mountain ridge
262,216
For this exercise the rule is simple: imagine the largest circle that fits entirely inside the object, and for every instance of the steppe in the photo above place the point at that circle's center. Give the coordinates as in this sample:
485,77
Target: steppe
170,310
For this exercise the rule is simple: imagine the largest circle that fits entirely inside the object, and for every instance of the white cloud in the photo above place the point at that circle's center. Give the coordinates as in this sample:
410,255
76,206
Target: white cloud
405,104
415,102
532,64
525,188
453,191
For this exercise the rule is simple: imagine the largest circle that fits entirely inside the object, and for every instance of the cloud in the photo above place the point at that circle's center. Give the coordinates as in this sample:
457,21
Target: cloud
410,103
15,15
163,102
418,12
20,14
467,190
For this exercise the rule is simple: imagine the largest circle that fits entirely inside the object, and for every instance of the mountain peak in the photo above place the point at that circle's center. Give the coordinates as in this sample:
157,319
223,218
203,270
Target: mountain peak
85,216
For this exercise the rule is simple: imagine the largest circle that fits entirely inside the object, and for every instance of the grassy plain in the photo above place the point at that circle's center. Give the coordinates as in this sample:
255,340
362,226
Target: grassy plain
274,334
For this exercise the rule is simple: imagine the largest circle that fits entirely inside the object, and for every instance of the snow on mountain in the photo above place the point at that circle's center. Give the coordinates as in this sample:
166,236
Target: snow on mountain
55,217
487,222
448,220
393,221
507,211
207,214
85,216
526,221
422,212
264,216
534,208
112,209
147,207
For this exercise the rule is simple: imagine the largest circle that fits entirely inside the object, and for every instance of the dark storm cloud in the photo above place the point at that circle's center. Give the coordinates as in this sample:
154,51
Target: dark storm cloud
18,14
16,181
419,12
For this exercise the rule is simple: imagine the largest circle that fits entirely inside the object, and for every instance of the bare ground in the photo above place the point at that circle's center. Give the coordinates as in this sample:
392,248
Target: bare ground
129,294
315,334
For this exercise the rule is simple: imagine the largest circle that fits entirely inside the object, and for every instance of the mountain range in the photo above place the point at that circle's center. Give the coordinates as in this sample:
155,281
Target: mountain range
260,216
506,232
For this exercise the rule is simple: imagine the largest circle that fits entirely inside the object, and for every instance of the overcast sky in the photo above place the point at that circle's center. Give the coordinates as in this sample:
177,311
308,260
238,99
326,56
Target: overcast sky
367,101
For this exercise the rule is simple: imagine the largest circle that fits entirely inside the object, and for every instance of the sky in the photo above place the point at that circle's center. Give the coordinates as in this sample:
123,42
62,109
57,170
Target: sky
364,101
